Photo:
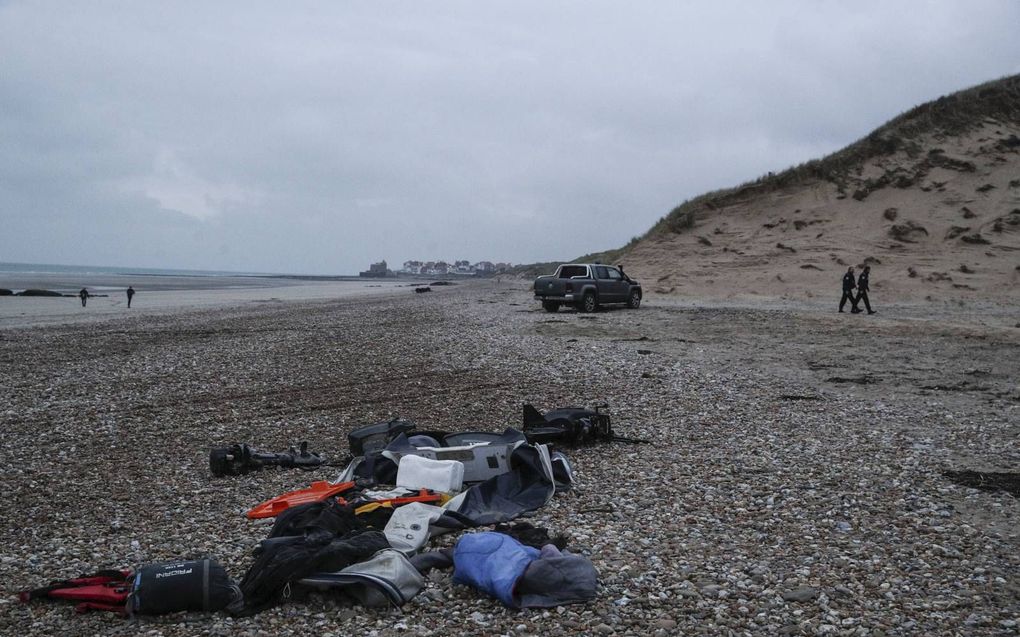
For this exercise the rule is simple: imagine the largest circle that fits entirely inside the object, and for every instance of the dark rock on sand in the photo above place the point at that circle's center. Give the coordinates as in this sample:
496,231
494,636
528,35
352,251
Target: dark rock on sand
907,232
975,238
956,231
859,380
35,292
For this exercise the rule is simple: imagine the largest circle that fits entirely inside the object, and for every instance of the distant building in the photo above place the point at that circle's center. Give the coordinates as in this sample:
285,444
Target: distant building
376,270
459,267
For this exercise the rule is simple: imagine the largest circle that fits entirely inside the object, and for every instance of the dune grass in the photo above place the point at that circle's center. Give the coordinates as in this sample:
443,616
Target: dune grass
954,114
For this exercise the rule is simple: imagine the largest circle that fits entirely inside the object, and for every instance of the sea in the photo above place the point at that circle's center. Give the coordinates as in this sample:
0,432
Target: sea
87,270
66,279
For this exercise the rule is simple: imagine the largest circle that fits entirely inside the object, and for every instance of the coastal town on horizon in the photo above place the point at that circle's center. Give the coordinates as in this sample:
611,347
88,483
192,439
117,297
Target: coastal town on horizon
461,267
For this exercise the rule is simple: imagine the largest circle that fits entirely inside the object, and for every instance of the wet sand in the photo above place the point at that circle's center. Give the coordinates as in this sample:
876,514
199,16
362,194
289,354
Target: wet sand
161,295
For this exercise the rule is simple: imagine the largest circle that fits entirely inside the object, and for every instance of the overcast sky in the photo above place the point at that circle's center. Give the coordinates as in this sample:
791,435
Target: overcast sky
317,137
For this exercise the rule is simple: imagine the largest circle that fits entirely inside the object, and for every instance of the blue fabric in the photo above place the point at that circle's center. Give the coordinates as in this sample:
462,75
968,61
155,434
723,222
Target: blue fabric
492,562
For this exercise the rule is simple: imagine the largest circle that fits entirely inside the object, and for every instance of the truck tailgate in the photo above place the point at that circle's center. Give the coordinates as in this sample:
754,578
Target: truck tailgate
550,286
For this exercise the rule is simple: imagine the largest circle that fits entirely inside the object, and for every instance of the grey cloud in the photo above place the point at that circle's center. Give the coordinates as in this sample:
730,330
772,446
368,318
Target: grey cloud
319,137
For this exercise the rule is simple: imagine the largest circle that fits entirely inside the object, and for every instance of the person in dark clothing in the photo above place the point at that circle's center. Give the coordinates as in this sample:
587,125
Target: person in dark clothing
862,290
84,296
848,289
130,294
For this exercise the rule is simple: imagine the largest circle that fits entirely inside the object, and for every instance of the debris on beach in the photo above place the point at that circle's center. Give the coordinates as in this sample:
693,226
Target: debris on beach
241,458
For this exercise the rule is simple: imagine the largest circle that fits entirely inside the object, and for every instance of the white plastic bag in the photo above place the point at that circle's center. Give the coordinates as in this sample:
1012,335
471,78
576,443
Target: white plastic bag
416,472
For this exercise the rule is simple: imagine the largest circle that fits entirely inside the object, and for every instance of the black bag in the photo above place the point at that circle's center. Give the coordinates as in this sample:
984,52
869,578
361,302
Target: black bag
169,587
567,426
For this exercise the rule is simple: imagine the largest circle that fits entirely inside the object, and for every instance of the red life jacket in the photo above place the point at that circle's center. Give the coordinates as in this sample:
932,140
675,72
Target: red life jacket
103,590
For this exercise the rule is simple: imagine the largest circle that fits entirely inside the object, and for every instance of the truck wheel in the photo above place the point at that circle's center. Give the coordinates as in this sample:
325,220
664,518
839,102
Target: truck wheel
550,306
634,300
589,302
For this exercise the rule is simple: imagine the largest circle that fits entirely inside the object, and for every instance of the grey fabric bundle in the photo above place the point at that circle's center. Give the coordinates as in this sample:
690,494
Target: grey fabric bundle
387,578
557,578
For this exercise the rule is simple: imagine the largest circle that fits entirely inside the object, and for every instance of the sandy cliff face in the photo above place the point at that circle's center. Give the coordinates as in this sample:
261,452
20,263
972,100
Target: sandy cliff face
936,215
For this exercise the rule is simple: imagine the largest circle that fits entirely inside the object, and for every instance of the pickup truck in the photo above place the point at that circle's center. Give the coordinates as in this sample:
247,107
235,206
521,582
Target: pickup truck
587,286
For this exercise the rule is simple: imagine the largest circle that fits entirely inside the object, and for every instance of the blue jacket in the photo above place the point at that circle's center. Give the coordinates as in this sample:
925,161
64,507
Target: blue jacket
493,563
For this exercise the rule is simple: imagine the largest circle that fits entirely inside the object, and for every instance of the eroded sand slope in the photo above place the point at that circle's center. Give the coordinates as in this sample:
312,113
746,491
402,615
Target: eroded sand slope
937,216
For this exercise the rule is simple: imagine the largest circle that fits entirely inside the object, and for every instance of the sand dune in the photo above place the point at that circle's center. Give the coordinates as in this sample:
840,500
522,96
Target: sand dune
935,213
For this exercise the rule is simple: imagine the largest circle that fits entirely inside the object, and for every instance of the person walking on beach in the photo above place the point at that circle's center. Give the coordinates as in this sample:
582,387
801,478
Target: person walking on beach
848,290
862,290
84,296
130,294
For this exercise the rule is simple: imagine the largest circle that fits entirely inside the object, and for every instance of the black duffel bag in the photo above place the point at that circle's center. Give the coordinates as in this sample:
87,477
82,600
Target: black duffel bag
169,587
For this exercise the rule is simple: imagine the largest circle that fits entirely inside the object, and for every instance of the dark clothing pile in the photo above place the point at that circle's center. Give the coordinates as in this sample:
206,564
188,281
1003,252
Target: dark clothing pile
321,536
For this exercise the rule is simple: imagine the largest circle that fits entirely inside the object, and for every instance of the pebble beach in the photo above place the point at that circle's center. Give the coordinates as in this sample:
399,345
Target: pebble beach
793,483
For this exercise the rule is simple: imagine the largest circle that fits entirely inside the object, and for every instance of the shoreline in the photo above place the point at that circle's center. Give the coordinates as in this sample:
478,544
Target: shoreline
168,294
171,295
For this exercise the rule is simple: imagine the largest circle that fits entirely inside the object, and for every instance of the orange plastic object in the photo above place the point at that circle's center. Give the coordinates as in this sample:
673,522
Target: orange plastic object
423,496
316,492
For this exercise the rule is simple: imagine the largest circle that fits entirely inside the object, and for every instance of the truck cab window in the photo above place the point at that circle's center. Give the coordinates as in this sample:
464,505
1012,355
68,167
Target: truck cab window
614,274
569,271
602,272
